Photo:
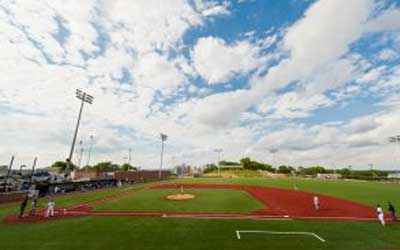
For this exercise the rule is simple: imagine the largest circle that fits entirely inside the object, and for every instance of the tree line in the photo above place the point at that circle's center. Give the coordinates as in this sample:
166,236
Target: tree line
107,166
249,164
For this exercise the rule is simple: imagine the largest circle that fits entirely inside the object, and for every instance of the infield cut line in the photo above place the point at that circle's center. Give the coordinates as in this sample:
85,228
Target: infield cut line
238,232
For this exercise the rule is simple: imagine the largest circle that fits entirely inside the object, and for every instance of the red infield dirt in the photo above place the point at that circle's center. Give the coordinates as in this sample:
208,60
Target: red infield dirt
279,204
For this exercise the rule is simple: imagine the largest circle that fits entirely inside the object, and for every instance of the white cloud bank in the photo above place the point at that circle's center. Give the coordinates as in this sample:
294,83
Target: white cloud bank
49,48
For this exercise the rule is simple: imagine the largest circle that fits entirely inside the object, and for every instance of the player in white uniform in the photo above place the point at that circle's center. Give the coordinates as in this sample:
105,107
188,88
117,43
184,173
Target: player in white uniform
50,208
316,203
380,214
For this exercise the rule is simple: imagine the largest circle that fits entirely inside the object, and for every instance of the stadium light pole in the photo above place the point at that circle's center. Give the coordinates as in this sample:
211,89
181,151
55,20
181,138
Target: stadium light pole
129,156
21,167
85,98
273,151
33,170
163,137
218,151
395,140
8,173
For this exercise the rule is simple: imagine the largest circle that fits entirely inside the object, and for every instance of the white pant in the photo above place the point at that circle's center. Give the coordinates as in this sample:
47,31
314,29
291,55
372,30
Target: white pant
50,212
381,219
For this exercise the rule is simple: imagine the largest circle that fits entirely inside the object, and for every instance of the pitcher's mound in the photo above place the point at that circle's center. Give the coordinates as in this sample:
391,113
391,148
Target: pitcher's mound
181,197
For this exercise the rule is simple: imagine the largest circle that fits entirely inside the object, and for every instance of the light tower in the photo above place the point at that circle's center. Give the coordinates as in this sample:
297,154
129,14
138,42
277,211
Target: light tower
85,98
218,151
163,137
273,151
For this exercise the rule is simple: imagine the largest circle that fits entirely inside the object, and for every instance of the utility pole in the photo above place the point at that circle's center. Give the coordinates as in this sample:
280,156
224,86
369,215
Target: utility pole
90,150
80,153
85,98
163,137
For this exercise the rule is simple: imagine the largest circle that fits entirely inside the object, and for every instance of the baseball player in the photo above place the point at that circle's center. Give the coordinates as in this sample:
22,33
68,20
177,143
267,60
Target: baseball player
380,214
316,203
32,211
50,208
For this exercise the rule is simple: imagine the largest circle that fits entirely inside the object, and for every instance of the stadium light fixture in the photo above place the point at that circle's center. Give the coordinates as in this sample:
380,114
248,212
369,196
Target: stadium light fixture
163,138
85,98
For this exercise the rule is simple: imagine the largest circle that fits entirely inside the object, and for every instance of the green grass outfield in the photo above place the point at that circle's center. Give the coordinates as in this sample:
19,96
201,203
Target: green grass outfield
368,193
168,233
206,201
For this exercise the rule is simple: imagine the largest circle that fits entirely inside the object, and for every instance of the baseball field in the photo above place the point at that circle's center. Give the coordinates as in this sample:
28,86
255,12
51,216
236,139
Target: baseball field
222,213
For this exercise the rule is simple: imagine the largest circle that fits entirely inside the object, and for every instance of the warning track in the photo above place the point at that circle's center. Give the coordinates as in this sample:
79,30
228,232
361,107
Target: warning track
280,204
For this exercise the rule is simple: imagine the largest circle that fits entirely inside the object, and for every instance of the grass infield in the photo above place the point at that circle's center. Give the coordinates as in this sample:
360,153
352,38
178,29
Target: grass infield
206,201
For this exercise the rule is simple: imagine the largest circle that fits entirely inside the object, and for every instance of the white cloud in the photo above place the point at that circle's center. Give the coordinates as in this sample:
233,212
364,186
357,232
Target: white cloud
48,49
218,62
359,142
314,44
212,8
387,21
388,54
295,105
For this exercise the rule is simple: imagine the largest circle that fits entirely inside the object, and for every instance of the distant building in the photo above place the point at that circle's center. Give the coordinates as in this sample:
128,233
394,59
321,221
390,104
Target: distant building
3,169
88,174
329,176
394,175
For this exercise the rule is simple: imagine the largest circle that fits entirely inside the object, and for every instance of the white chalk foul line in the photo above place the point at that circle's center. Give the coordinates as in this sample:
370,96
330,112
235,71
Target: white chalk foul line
238,232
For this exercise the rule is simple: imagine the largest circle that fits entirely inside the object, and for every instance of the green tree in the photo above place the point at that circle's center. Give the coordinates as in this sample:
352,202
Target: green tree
247,163
229,163
62,166
209,168
285,169
106,166
127,167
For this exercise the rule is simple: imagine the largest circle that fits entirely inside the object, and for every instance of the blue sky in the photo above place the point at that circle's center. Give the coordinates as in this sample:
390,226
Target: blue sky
317,80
